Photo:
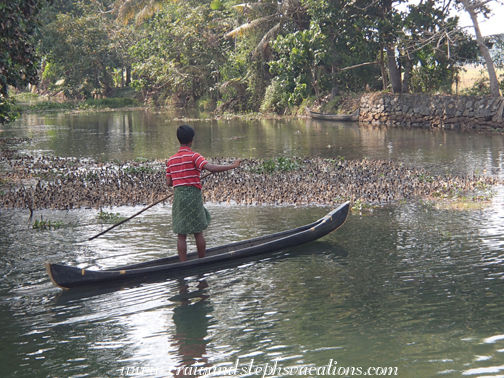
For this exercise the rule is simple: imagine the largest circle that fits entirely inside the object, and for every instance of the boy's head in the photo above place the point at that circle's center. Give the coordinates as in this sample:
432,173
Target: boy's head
185,134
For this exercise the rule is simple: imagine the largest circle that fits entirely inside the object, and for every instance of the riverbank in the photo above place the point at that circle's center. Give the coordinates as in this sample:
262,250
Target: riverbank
35,183
27,102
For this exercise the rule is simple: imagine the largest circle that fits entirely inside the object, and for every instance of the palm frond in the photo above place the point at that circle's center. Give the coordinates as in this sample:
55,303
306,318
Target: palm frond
148,11
242,29
242,8
136,9
271,34
126,9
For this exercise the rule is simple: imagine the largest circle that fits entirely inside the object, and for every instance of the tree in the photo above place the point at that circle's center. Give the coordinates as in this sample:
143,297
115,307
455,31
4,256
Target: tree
473,8
182,52
271,17
351,44
140,10
18,59
417,39
80,51
431,46
296,69
258,24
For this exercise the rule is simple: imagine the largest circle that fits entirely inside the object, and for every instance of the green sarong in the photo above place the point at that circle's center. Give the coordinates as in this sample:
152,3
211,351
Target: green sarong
189,216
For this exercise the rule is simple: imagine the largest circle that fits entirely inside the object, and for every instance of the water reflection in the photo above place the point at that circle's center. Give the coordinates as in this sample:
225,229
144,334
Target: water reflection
126,135
192,319
387,289
410,285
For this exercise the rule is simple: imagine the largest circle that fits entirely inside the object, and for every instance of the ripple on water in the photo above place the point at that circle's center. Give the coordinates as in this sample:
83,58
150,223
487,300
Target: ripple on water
409,286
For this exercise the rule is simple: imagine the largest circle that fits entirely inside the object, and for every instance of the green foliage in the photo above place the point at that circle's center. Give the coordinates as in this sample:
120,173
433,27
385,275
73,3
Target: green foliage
360,206
298,57
275,99
110,217
46,225
8,109
47,105
424,178
481,87
436,67
226,55
281,164
44,105
351,38
19,63
181,53
81,55
111,102
216,4
82,52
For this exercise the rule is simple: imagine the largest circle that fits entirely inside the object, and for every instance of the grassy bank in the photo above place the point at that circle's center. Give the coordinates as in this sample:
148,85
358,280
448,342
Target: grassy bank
33,102
46,104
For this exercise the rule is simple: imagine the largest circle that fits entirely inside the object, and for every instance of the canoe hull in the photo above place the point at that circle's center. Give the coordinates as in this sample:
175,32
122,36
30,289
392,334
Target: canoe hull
70,277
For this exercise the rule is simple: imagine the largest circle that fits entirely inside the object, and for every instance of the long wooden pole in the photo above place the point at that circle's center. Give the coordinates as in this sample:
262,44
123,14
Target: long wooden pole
140,212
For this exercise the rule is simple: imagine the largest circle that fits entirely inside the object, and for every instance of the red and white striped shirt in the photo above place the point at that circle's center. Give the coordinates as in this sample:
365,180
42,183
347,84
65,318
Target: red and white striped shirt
185,167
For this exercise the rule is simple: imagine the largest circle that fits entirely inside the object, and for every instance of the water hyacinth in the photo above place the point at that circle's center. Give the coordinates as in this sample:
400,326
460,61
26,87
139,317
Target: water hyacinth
50,182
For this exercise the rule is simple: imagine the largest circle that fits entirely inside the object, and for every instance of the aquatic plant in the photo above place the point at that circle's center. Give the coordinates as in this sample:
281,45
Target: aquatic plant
425,178
282,164
337,160
110,217
360,206
46,224
90,176
135,170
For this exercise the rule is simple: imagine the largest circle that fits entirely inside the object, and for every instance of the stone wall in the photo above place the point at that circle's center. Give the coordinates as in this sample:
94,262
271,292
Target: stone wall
485,113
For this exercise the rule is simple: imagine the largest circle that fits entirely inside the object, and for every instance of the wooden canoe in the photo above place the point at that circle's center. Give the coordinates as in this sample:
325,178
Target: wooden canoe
354,117
67,277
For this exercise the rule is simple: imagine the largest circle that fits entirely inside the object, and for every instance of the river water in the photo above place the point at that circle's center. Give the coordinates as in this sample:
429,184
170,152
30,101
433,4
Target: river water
411,289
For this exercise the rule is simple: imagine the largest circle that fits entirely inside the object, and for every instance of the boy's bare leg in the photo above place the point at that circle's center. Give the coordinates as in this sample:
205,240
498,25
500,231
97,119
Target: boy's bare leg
182,247
200,244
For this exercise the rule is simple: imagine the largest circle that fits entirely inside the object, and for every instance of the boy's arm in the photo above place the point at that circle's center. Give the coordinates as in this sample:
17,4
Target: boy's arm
169,181
221,168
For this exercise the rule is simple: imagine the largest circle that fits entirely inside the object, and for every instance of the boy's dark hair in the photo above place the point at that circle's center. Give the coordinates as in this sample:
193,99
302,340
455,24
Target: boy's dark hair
185,134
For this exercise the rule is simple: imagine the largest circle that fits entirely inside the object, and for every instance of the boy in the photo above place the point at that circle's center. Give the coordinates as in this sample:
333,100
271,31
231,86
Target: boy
183,169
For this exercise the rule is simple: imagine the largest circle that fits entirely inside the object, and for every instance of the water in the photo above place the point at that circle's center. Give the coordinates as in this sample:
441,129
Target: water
409,286
152,135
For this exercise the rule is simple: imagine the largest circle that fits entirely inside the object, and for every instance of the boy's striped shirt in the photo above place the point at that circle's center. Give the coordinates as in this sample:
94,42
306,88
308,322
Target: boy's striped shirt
184,168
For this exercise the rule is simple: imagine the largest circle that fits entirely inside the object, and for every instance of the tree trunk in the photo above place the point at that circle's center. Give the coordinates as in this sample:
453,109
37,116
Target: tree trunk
494,82
382,69
315,83
128,76
335,87
395,74
406,76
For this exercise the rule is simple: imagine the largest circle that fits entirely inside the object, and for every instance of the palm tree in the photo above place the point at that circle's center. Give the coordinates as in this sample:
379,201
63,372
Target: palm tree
271,15
473,7
139,10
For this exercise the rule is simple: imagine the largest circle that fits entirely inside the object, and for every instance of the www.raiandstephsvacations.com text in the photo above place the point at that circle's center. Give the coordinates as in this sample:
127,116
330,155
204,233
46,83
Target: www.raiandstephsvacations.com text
262,370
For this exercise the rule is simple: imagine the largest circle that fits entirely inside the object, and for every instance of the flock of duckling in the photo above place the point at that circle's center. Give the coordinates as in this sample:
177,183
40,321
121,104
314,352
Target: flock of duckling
47,182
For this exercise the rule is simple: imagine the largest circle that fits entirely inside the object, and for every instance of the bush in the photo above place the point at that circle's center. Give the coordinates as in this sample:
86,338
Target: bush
274,99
